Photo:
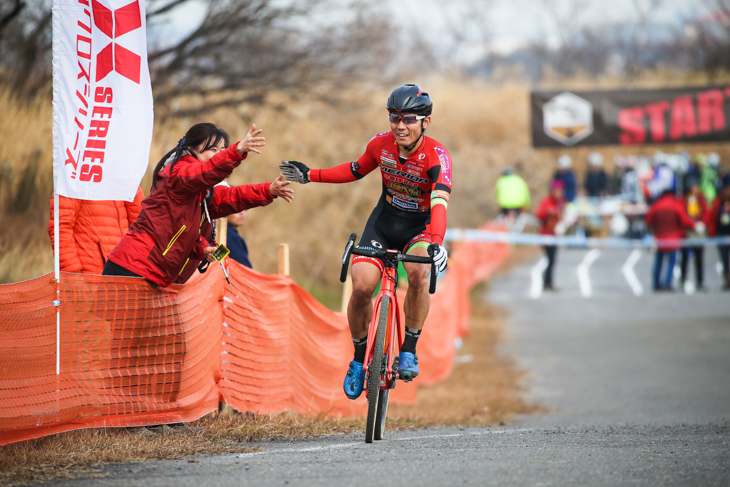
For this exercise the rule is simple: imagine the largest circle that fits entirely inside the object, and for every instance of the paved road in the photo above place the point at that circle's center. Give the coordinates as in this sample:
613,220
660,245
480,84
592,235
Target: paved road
637,387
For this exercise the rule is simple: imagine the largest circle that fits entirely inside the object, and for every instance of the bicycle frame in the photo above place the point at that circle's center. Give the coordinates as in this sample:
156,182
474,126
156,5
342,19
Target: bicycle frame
388,283
382,331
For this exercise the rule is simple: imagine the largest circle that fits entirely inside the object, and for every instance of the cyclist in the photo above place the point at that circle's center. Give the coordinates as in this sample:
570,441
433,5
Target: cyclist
410,215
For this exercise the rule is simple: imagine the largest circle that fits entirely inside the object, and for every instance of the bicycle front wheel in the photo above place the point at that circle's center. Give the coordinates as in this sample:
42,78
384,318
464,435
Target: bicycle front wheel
382,413
376,365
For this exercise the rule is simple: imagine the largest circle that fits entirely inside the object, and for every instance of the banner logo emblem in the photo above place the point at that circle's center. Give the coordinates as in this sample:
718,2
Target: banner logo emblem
568,118
114,24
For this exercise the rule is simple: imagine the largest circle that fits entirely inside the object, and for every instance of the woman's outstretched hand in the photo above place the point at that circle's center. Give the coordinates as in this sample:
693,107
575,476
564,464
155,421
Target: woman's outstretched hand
279,188
251,141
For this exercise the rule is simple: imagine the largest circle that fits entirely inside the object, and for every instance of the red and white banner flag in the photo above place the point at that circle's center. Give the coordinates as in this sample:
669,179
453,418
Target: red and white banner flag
102,98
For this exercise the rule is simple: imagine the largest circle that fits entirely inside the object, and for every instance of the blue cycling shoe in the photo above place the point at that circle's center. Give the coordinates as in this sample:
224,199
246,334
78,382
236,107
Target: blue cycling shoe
408,366
354,380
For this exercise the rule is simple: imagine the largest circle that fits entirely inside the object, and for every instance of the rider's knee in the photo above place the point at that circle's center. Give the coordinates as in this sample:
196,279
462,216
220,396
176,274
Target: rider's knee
418,277
362,292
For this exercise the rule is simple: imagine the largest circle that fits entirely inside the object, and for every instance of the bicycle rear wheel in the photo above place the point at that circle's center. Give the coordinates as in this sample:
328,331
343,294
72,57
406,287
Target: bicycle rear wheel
382,413
375,367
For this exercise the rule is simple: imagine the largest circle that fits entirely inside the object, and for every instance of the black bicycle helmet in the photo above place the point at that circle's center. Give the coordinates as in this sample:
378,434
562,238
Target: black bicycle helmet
411,99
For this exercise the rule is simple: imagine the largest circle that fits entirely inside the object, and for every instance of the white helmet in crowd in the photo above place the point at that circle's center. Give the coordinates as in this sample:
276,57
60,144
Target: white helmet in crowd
713,160
595,159
565,161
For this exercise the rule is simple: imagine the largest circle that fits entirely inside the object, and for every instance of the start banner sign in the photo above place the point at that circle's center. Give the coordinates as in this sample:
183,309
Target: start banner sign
630,117
102,98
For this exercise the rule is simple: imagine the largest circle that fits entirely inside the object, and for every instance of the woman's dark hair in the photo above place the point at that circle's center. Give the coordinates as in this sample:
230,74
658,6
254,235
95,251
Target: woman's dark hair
206,135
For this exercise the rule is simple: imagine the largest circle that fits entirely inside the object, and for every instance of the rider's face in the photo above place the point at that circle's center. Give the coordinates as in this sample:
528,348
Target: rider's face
407,134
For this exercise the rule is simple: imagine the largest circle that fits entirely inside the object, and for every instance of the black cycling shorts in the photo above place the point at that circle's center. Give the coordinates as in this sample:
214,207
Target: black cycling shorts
392,229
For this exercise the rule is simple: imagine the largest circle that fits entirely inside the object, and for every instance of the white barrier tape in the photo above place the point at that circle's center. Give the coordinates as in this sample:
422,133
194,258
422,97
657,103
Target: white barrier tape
472,235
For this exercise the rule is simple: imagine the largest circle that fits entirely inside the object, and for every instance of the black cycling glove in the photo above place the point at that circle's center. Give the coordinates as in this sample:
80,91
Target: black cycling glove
295,171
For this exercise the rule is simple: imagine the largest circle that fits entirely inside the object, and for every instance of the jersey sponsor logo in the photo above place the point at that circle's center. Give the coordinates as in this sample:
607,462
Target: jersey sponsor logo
355,167
445,160
378,135
376,244
414,172
440,194
388,162
409,177
406,205
405,189
421,156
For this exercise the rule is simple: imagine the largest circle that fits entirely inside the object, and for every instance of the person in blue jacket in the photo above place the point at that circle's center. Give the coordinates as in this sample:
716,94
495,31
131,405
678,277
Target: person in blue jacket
235,242
566,174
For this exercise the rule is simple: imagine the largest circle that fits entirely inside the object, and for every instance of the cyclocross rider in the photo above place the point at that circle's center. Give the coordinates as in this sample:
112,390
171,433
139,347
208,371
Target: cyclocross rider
410,215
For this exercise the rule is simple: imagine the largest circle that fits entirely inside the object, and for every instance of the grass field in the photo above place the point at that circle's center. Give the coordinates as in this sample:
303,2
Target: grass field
485,126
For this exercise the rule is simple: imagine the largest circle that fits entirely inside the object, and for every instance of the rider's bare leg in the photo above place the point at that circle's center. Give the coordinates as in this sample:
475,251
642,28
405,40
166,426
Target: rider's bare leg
417,300
365,278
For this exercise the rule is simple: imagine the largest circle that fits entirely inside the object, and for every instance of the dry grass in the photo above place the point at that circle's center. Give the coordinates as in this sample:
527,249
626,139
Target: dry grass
484,391
484,125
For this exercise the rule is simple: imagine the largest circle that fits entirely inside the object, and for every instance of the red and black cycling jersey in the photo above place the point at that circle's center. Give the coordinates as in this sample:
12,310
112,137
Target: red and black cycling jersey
417,186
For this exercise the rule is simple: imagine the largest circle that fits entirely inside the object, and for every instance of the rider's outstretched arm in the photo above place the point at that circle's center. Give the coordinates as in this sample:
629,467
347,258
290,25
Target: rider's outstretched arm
344,173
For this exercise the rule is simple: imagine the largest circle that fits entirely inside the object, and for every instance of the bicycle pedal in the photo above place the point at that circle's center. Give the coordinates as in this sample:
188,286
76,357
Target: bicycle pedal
405,379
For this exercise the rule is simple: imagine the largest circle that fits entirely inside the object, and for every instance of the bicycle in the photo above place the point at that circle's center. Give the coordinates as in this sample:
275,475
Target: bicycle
381,351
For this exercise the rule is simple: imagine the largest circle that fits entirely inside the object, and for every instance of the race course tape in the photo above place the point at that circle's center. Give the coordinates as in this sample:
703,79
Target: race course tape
475,235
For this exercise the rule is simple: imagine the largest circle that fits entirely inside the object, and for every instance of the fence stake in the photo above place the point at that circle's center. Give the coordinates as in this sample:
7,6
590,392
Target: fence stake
283,259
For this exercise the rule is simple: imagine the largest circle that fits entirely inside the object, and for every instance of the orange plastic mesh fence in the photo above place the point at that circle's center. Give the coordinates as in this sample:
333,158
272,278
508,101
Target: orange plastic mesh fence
133,354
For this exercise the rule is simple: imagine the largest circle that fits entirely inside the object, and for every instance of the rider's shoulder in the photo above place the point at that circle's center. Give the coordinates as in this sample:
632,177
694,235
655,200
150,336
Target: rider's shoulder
433,146
381,137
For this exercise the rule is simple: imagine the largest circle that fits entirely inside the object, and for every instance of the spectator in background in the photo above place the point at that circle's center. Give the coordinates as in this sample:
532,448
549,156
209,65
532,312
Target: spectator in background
566,174
709,175
668,220
662,180
513,195
695,205
630,187
235,243
719,226
596,181
550,213
89,230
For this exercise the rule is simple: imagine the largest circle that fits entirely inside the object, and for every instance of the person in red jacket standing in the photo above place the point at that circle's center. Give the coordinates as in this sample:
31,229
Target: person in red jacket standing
168,240
719,226
550,213
668,220
89,230
695,205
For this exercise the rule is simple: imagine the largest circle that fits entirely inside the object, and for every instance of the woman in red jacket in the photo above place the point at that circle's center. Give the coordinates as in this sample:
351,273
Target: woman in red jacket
550,212
668,220
167,242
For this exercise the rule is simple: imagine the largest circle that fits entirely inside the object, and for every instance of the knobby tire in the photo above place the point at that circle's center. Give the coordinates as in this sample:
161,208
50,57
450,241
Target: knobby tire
382,413
375,367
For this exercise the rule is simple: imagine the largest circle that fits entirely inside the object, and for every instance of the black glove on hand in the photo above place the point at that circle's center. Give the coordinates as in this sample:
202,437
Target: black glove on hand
295,171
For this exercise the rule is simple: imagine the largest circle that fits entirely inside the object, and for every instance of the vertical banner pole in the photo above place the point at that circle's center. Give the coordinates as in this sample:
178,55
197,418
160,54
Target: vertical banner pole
57,275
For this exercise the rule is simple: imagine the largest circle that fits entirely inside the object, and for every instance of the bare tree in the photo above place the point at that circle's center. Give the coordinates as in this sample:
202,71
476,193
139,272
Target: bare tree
8,14
237,50
25,43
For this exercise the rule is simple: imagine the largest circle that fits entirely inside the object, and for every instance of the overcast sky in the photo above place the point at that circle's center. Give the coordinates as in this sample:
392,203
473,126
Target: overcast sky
502,22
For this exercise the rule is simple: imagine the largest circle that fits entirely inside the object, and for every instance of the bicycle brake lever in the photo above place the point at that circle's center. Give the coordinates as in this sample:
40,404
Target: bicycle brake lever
346,257
431,252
